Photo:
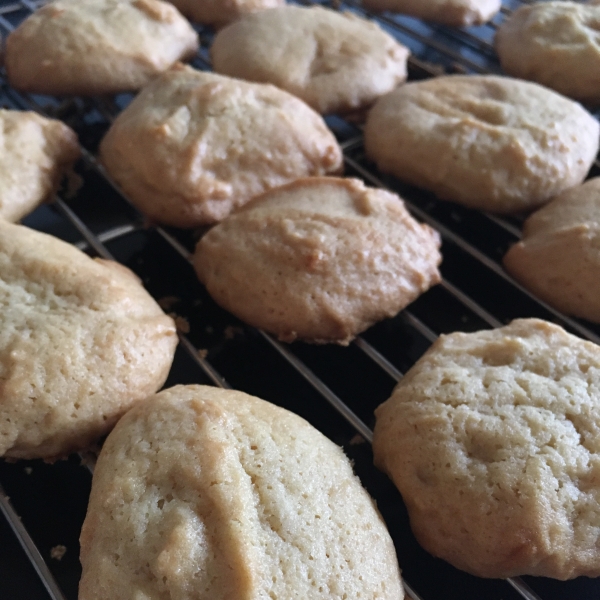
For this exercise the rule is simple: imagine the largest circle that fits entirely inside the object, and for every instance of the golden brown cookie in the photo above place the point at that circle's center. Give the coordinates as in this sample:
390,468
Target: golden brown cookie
558,258
90,47
493,439
193,145
221,12
81,342
555,44
35,152
459,13
335,62
487,142
320,259
213,494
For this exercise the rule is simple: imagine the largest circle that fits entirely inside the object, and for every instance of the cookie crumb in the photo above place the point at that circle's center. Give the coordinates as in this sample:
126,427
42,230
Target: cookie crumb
357,440
230,332
57,552
181,323
168,302
28,470
203,353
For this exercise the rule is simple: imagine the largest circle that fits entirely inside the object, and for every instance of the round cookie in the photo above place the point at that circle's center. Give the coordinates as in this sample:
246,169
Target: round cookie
221,12
193,145
558,258
320,259
207,493
487,142
92,47
335,62
457,13
81,341
555,44
493,439
35,152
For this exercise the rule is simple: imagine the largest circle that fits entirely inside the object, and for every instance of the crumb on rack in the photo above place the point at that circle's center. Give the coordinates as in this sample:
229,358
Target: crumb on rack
74,184
167,302
181,323
230,332
357,439
203,353
57,552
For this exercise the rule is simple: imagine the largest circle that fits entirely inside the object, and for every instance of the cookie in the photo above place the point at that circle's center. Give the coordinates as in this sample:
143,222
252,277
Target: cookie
35,152
458,13
320,259
194,145
493,439
90,47
221,12
81,342
208,493
487,142
335,62
555,44
558,258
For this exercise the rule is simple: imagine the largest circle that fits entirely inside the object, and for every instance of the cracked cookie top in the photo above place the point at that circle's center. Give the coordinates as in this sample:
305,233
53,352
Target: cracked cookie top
333,61
493,439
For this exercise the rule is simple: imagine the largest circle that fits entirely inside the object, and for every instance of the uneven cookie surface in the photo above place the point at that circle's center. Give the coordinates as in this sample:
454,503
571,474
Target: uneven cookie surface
90,47
206,493
221,12
487,142
320,259
333,61
460,13
558,258
194,145
555,44
80,342
493,439
35,152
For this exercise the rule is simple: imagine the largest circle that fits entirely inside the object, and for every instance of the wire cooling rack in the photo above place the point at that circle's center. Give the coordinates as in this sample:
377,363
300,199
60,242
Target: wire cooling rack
334,388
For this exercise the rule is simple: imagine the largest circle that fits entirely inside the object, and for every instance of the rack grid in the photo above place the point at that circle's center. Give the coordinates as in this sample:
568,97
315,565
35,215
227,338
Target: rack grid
334,388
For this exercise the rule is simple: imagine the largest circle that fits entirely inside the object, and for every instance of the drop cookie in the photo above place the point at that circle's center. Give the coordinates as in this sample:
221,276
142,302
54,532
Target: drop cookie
92,47
493,439
558,258
213,494
35,153
555,44
487,142
81,341
193,145
220,12
320,259
457,13
335,62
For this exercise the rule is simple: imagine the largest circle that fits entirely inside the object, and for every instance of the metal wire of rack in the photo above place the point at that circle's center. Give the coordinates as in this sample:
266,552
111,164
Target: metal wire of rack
336,389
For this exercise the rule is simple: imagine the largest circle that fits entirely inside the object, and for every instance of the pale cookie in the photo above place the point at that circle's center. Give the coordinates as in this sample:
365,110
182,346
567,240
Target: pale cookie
90,47
335,62
194,145
559,256
320,259
221,12
493,439
487,142
555,44
459,13
81,341
210,494
35,153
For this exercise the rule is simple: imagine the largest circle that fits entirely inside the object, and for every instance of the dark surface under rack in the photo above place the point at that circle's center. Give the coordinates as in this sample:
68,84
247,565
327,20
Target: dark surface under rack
336,389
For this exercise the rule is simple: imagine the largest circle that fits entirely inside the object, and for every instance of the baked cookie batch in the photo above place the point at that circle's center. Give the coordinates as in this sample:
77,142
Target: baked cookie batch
492,437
